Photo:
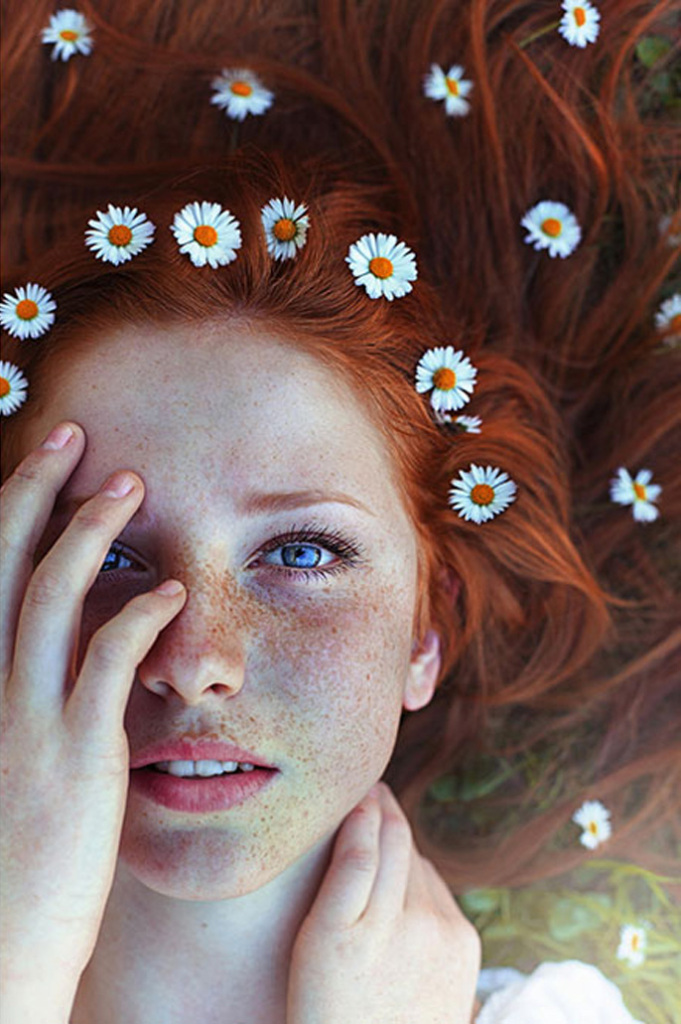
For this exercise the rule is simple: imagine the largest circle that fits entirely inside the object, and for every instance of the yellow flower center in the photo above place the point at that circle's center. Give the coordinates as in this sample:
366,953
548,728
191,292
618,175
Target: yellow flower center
241,88
26,309
285,229
381,267
120,234
452,86
592,828
205,235
551,226
635,942
482,494
444,379
4,387
580,16
640,491
68,35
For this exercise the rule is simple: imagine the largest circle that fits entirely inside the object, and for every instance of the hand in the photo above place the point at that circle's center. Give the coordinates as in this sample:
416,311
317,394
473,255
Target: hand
65,755
384,941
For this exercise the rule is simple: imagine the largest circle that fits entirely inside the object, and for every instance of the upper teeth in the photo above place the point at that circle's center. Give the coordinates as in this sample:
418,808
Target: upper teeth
205,768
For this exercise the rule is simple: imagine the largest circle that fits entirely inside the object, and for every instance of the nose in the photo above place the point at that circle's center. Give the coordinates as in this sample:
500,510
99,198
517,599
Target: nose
204,647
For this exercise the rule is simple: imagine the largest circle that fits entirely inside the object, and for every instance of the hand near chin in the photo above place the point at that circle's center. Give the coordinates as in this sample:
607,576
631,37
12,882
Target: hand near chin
384,941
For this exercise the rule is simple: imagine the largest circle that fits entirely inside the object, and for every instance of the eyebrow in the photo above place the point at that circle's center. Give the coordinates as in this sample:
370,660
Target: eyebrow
257,501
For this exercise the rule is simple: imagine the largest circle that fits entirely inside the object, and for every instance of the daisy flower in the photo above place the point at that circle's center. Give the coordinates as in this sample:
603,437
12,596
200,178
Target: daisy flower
668,319
13,387
594,819
119,234
449,374
285,227
240,92
207,234
579,25
383,265
670,225
638,492
28,313
450,87
70,32
458,424
552,226
632,947
481,494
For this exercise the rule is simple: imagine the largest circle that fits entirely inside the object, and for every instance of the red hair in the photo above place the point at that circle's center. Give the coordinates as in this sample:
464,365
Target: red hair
559,639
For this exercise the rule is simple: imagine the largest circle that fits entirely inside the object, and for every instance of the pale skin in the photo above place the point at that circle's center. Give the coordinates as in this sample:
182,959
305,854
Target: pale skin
310,903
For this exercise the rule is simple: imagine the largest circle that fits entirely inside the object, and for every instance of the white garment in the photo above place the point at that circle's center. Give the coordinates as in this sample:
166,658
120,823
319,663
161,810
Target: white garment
570,992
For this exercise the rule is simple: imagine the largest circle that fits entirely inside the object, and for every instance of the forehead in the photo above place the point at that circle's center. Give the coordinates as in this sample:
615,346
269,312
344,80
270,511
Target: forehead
227,405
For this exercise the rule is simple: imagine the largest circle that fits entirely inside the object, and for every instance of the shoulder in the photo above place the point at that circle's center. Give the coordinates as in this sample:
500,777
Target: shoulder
555,993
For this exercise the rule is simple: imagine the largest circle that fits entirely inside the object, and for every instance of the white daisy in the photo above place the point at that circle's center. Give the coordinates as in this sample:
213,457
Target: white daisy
239,92
285,227
119,234
632,947
638,492
481,494
670,225
594,818
383,265
28,313
458,424
552,226
668,319
13,387
579,25
70,32
207,234
450,87
450,374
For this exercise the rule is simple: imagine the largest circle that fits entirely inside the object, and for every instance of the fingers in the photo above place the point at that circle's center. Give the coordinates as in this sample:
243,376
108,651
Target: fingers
26,501
113,654
346,888
398,865
50,616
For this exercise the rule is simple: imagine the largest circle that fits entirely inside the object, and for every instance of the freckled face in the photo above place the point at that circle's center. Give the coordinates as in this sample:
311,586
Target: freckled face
296,636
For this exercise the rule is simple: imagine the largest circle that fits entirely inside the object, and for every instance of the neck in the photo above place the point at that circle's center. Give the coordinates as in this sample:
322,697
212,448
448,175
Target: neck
162,960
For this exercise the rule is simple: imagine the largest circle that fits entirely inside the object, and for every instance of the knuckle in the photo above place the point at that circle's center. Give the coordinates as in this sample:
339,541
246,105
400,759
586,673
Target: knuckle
360,858
397,827
46,588
107,648
93,516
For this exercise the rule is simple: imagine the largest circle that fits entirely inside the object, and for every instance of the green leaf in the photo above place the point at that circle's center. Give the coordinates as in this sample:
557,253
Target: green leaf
568,919
443,789
480,901
651,49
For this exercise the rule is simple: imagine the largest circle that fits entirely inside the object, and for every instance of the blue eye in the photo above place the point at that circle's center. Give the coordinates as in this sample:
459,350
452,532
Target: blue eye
310,553
299,556
117,559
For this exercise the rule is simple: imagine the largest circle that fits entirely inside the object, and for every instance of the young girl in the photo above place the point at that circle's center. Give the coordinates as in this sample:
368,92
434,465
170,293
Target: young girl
312,416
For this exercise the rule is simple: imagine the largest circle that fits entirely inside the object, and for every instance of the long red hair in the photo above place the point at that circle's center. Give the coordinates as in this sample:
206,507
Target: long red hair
559,635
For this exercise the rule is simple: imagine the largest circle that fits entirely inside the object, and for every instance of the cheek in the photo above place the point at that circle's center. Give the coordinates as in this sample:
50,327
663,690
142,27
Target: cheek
340,666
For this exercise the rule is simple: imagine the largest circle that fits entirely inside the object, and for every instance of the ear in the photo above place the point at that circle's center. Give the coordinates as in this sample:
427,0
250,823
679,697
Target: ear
424,669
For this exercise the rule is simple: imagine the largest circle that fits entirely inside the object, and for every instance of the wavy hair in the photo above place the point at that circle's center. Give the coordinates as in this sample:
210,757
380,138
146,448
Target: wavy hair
558,618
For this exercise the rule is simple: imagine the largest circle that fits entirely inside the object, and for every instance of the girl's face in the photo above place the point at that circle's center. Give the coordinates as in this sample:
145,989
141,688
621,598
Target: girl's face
269,493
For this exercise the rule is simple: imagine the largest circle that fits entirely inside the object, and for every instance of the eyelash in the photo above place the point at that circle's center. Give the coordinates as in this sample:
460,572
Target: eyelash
331,540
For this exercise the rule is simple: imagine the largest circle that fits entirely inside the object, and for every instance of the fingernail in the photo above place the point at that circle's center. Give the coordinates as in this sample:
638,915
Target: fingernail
59,437
170,587
118,485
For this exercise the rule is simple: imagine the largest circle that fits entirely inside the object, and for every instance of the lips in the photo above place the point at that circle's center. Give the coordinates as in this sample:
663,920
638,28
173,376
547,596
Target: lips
196,750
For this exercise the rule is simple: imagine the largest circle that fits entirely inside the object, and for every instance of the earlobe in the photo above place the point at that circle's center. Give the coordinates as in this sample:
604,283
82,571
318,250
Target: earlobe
423,672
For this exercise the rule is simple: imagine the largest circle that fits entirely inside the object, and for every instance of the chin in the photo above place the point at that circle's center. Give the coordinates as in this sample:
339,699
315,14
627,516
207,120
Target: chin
202,862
